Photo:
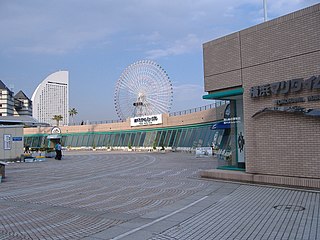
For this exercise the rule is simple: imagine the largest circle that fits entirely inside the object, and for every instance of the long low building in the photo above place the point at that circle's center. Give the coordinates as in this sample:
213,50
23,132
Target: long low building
200,128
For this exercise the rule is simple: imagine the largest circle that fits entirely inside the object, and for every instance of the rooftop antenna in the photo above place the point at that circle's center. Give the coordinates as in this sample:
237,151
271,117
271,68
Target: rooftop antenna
265,10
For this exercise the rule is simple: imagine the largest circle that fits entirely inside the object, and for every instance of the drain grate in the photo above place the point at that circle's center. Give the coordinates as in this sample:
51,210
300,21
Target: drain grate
289,208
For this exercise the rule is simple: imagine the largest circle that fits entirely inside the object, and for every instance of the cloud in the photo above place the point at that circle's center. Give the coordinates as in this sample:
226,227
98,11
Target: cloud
188,95
281,7
51,28
175,27
182,46
185,91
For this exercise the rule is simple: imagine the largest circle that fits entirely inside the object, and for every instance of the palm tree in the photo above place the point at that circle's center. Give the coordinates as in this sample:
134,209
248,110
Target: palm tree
73,112
58,118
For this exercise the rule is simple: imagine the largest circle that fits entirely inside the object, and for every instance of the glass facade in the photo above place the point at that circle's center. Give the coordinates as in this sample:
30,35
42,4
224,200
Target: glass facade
192,136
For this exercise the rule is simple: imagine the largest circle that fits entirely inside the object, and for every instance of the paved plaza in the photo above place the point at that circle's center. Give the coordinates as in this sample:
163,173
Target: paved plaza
155,196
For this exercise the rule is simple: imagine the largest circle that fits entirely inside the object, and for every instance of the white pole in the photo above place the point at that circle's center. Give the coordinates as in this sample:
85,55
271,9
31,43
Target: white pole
265,10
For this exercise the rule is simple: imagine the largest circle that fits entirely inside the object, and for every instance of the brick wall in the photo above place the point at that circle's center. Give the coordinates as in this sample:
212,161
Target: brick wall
222,57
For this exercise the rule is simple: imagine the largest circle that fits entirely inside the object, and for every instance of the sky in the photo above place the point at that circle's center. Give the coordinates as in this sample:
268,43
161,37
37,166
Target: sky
96,40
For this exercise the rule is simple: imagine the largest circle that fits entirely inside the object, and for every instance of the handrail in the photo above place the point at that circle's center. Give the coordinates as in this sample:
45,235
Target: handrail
198,109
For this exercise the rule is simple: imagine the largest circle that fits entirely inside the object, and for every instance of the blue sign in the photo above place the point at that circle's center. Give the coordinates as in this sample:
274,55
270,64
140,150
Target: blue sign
220,125
16,138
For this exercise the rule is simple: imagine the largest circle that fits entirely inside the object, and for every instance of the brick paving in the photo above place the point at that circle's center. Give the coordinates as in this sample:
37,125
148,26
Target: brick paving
253,212
93,195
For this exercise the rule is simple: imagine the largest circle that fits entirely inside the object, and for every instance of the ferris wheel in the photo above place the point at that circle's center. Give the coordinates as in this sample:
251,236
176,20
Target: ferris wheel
143,88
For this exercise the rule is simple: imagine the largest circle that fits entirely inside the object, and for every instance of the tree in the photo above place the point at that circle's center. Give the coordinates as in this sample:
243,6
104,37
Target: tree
57,118
72,113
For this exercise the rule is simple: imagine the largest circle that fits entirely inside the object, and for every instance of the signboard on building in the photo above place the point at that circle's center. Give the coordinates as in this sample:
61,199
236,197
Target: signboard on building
7,141
290,86
203,151
55,130
146,120
16,139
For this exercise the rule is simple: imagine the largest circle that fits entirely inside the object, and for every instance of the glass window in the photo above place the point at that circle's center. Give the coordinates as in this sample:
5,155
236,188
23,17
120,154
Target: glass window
206,136
100,140
137,139
196,137
182,138
68,140
73,140
126,139
96,138
121,139
63,141
166,140
188,140
84,140
27,141
176,139
142,139
116,140
91,142
202,134
162,138
172,138
112,140
157,138
108,140
132,138
37,142
147,139
104,140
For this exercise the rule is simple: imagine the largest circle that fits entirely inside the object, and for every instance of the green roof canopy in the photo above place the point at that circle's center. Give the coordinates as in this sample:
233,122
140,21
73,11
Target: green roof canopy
224,94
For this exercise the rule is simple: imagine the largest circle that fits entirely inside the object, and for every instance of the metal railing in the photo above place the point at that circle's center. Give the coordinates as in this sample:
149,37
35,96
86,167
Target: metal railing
96,122
198,109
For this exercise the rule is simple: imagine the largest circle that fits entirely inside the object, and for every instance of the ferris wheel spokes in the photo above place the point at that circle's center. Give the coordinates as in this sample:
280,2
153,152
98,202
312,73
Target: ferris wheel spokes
144,88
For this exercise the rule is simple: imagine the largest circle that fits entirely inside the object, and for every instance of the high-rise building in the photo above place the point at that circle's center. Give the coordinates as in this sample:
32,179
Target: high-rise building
6,100
51,98
18,105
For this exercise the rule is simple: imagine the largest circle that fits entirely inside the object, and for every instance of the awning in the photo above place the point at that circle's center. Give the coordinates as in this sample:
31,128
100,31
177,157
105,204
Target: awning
224,94
54,136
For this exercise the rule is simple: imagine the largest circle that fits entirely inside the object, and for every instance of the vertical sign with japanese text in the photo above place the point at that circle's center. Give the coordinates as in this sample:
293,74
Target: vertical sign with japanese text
7,142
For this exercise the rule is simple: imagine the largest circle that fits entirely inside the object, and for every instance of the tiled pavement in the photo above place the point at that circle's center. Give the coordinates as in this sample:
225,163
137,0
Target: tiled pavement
146,196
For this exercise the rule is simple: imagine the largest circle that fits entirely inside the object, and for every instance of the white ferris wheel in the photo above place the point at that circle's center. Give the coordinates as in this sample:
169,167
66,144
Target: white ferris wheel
143,88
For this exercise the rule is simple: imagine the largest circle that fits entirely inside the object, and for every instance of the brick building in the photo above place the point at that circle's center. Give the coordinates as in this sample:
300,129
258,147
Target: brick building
271,75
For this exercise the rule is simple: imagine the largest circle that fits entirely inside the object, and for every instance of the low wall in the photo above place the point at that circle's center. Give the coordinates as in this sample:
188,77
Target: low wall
261,179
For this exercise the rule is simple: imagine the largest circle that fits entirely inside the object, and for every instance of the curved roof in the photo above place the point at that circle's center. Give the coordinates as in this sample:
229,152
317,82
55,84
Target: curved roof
56,77
51,97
